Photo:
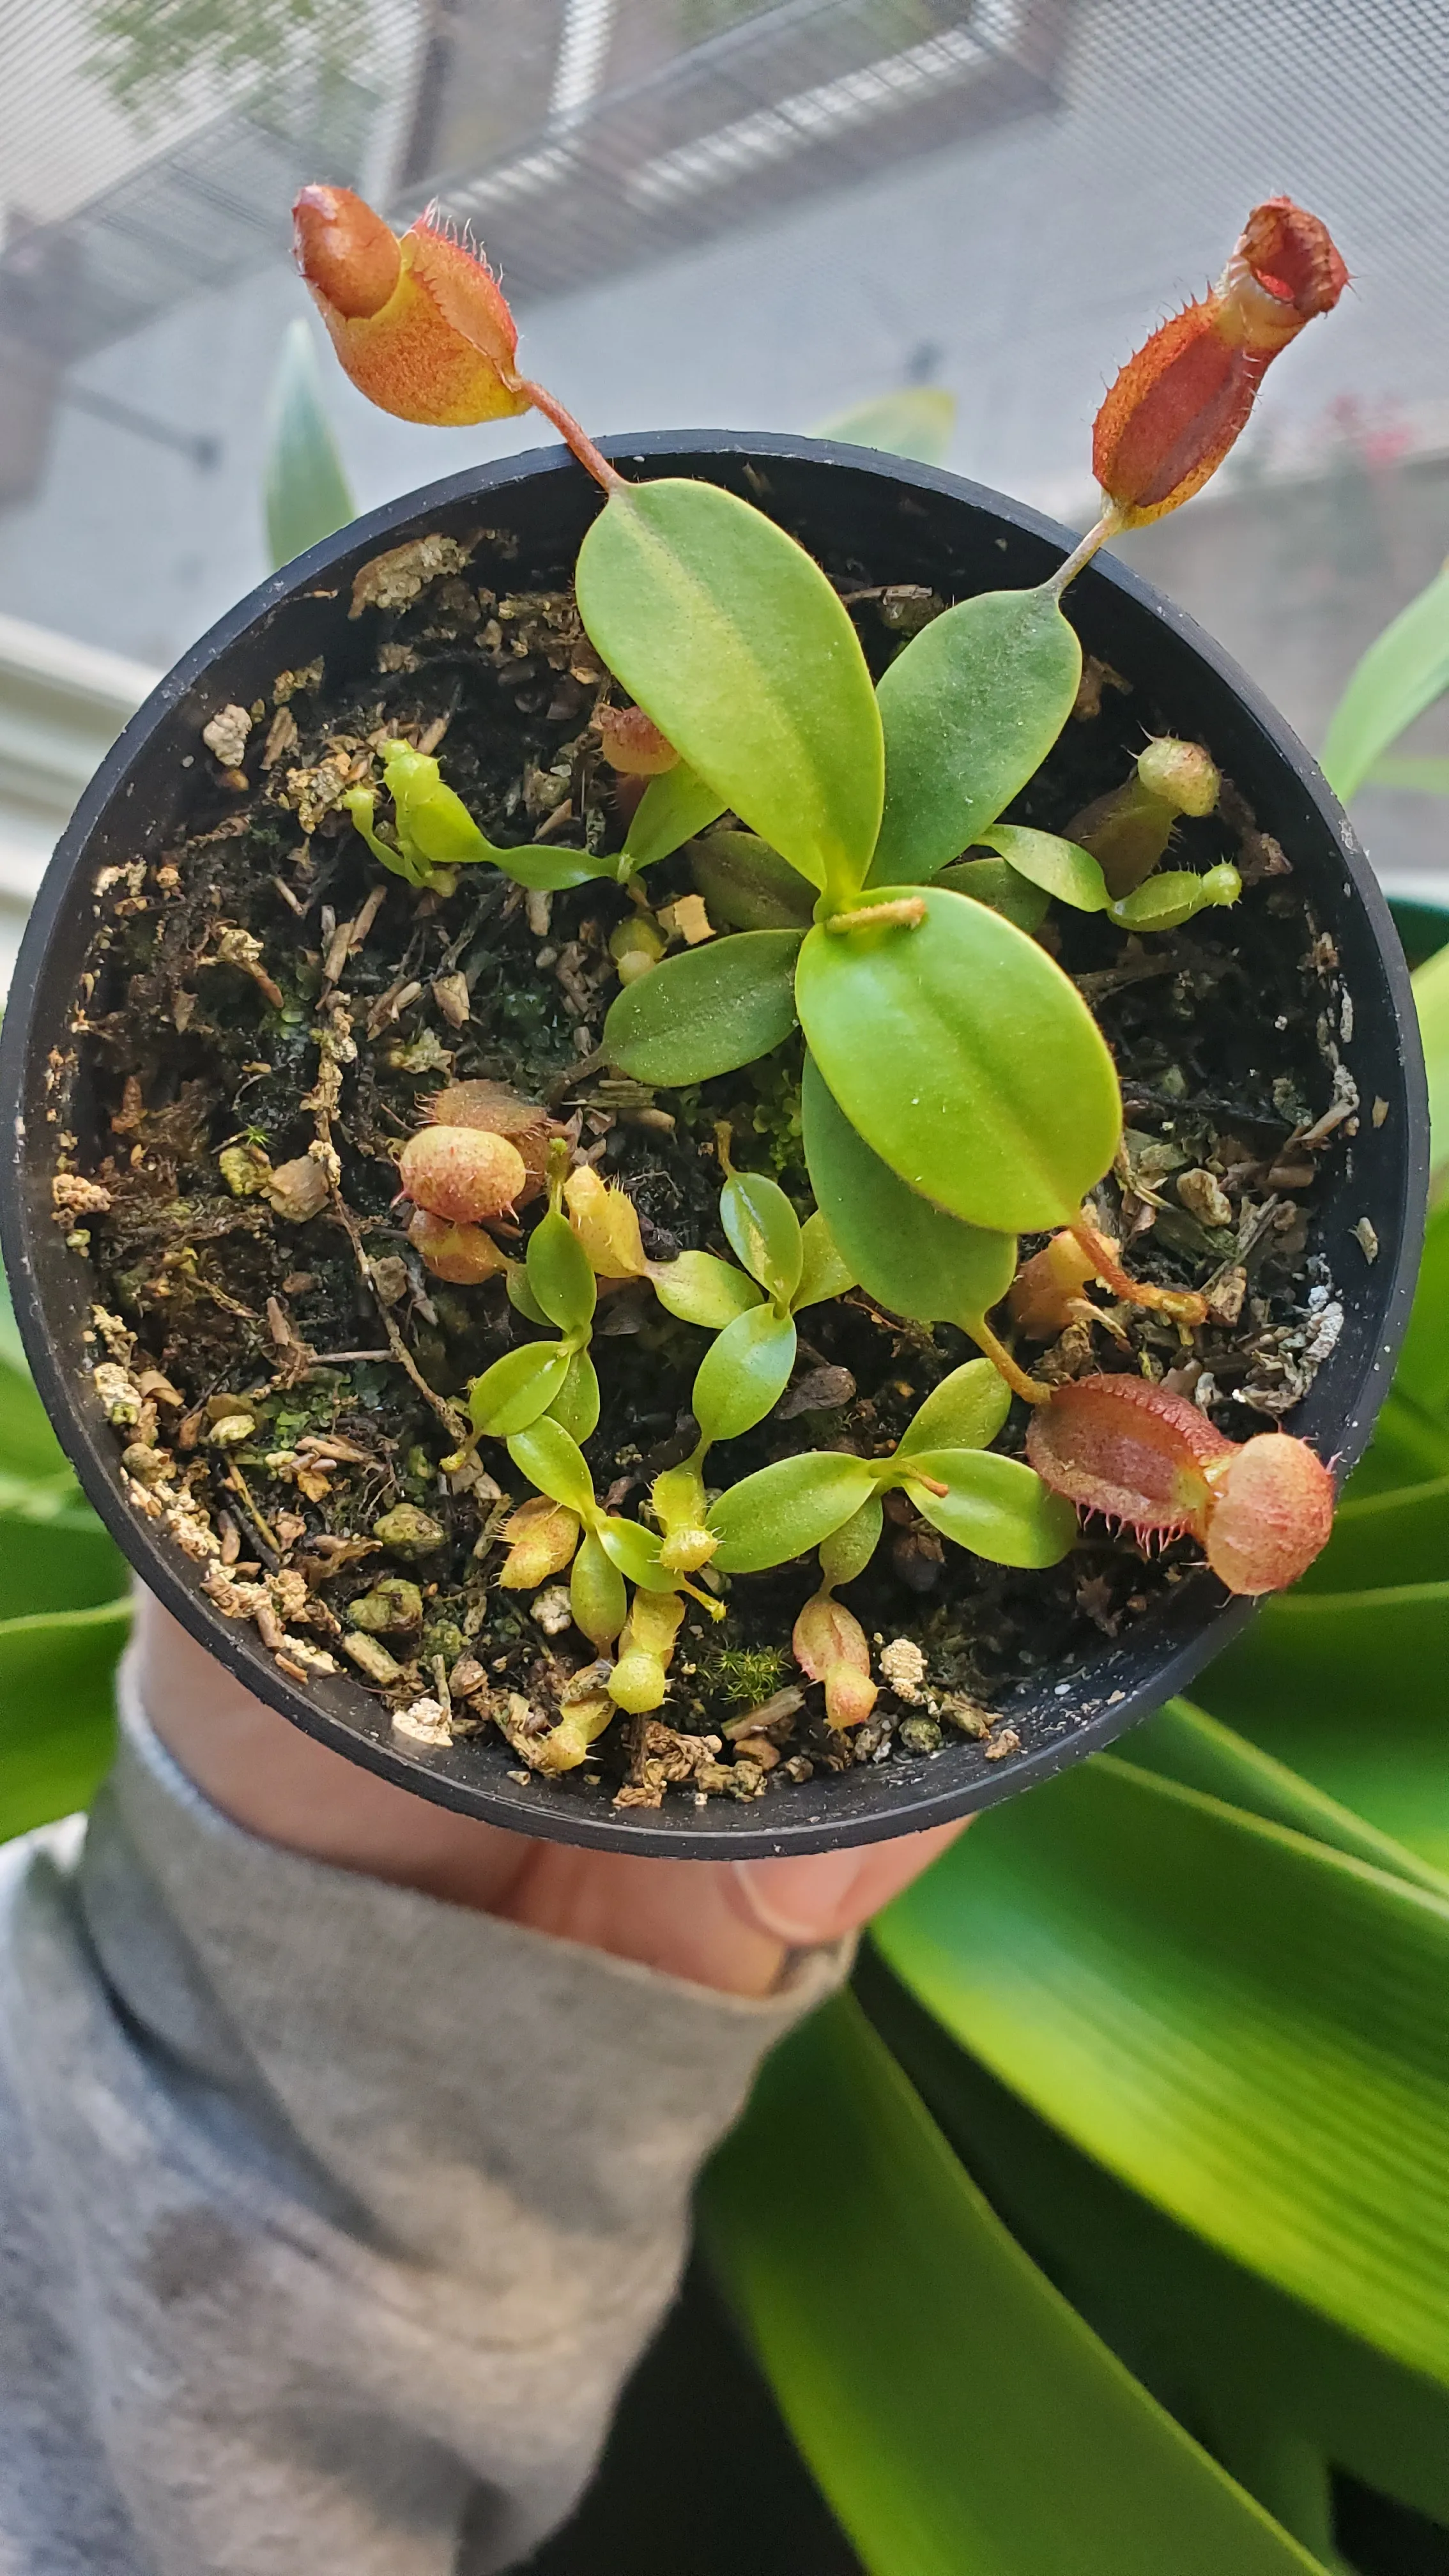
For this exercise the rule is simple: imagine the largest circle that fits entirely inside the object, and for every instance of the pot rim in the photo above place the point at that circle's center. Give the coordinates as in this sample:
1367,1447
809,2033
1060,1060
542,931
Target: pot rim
907,1802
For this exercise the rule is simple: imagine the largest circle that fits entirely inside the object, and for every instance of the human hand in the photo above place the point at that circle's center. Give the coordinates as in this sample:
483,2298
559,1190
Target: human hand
728,1924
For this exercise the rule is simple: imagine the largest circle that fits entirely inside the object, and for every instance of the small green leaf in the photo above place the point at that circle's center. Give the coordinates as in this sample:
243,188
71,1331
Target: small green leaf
1404,670
748,885
576,1404
636,1552
1166,901
824,1270
965,1411
361,804
517,1389
551,1459
764,1230
304,483
970,710
521,1295
911,1257
560,1275
597,1597
735,643
966,1059
549,871
436,830
743,1374
785,1509
848,1551
671,810
994,1506
702,1290
708,1011
991,881
1060,868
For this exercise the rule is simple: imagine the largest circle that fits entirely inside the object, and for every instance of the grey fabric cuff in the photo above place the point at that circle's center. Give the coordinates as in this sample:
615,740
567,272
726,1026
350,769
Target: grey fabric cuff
587,2085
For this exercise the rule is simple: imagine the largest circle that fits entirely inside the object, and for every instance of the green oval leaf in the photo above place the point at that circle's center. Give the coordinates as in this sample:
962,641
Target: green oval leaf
708,1011
911,1257
787,1508
824,1270
671,810
551,1459
521,1295
548,871
560,1275
966,1059
701,1290
576,1404
1060,868
636,1552
970,710
748,885
992,881
735,643
965,1411
743,1374
848,1551
994,1506
517,1389
1404,670
1165,902
764,1230
597,1597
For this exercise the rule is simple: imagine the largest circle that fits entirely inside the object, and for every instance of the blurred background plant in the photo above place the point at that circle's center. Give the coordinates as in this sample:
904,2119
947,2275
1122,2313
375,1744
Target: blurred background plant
146,54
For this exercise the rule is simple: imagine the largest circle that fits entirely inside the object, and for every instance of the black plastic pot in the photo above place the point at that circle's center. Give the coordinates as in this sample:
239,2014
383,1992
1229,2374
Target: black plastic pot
906,523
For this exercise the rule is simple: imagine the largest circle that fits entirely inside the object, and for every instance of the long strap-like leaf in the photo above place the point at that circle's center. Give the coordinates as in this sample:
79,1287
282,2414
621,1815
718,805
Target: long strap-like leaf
1352,1689
1246,2026
960,2417
1280,2396
55,1711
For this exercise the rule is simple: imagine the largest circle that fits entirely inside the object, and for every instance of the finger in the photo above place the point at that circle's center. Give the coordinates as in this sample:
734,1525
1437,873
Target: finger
824,1896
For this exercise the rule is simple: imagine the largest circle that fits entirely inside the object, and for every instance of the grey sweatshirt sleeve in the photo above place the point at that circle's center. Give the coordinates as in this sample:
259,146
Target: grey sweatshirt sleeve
333,2216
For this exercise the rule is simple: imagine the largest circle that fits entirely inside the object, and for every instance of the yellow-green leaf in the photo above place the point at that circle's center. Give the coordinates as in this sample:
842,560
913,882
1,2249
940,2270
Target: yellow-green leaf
911,1257
1243,2024
958,2415
708,1011
970,708
728,635
966,1059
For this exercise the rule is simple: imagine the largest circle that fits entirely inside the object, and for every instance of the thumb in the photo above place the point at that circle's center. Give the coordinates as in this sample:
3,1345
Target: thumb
802,1902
